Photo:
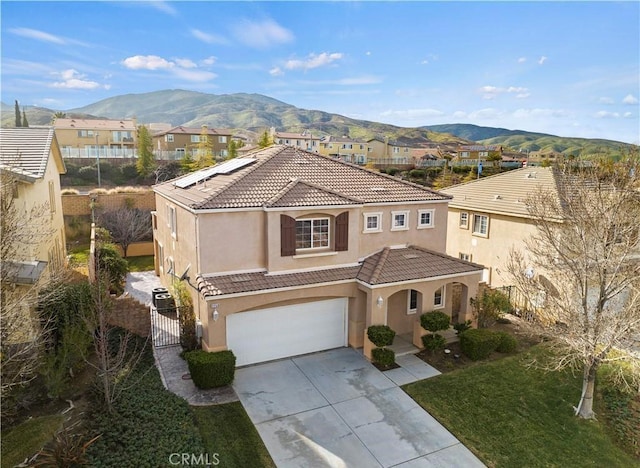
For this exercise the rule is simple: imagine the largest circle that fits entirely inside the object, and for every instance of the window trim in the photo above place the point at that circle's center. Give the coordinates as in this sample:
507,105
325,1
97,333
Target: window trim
480,233
172,221
431,223
463,224
442,298
461,256
405,226
312,248
378,215
411,311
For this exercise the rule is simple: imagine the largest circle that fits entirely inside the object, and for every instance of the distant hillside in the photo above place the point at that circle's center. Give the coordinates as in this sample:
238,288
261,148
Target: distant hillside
255,113
530,141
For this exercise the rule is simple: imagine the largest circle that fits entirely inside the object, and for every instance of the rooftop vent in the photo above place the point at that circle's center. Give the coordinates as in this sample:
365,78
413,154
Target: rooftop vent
531,175
411,256
240,279
497,197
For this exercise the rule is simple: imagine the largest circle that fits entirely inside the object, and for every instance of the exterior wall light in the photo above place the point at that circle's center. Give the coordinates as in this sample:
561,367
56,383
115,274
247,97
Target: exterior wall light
215,314
380,301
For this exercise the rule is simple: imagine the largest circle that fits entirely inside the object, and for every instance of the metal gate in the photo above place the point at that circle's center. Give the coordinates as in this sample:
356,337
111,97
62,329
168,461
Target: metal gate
165,326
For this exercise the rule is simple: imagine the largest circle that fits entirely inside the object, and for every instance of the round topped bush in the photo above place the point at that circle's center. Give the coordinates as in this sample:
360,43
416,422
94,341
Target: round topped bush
381,335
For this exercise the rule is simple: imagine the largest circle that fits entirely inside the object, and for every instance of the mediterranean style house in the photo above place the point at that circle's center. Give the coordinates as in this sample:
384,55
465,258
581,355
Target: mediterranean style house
488,217
288,252
353,150
30,159
92,138
173,143
304,140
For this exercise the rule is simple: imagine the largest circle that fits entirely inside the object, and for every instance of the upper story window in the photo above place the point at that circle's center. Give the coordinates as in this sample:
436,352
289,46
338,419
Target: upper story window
480,225
326,233
464,256
168,138
438,299
406,150
464,220
121,136
372,222
412,307
172,220
199,138
52,197
85,133
483,154
425,219
312,233
464,154
399,220
396,149
222,139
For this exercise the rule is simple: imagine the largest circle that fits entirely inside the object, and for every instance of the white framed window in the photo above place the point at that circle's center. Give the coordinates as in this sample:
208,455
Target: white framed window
396,149
195,138
222,139
412,306
172,220
406,150
171,266
464,256
438,298
52,197
161,257
312,233
399,220
464,220
168,138
425,219
480,225
483,154
464,154
372,222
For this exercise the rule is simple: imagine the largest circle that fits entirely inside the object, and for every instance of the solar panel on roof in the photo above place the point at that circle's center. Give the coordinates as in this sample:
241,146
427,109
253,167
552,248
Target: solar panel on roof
226,167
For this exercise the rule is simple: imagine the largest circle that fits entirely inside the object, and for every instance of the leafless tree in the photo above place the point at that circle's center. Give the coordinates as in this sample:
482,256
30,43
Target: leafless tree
127,225
580,272
23,231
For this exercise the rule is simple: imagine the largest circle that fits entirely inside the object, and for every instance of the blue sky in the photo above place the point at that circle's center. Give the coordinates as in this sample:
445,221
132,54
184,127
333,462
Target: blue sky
565,68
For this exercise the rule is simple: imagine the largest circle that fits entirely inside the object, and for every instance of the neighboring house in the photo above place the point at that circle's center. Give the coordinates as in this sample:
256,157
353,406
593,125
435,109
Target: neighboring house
32,156
384,152
351,150
488,217
289,252
480,152
92,138
175,142
304,140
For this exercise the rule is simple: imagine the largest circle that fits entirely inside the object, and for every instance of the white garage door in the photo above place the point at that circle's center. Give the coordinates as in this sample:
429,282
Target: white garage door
278,332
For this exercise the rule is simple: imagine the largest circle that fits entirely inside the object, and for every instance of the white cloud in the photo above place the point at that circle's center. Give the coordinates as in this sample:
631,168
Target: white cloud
209,61
412,114
368,52
541,60
38,35
71,79
488,113
163,7
522,59
607,115
147,62
208,37
313,61
185,63
541,113
630,99
276,71
605,100
492,92
627,115
353,81
261,34
183,68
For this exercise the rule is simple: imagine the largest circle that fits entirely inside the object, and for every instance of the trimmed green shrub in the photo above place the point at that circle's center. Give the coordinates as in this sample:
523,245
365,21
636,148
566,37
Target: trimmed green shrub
112,266
434,342
462,327
417,173
478,343
381,335
392,171
209,370
507,343
383,356
434,321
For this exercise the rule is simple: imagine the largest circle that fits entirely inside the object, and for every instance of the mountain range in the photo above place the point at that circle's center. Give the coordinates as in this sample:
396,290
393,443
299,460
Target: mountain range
256,112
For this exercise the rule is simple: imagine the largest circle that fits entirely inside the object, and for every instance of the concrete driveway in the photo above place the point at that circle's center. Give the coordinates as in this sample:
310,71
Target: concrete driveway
335,409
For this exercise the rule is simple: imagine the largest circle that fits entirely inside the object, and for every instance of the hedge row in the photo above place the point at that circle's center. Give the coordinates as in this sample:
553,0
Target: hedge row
479,343
209,370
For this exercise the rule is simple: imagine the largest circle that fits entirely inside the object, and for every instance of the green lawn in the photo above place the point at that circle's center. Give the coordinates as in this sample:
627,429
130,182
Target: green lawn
143,263
513,416
226,430
27,438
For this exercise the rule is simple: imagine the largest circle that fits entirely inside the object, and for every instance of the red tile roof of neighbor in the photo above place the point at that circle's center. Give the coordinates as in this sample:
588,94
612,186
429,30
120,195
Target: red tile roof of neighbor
387,266
321,179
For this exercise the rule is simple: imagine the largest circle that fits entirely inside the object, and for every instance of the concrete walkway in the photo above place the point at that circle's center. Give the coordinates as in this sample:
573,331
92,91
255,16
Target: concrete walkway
335,409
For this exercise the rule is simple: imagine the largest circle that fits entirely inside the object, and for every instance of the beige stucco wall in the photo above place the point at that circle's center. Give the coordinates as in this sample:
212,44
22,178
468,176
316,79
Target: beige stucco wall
505,232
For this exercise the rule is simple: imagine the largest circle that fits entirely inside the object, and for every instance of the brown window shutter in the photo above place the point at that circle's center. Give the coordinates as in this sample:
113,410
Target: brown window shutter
342,231
287,236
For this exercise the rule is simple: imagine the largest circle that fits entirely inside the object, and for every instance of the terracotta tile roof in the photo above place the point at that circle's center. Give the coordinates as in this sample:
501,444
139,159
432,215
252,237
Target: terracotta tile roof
411,263
191,131
259,183
502,193
25,151
95,124
384,267
301,193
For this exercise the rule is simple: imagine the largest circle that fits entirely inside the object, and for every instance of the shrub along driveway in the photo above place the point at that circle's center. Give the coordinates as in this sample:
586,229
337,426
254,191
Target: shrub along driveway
335,409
